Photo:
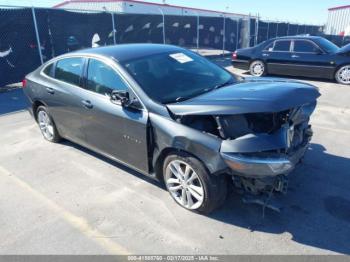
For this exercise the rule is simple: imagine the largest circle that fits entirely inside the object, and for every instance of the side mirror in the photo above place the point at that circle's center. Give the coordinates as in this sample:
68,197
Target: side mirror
119,96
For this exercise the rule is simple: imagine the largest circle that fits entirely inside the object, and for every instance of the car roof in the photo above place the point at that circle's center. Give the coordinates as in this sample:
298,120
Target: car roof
125,52
298,37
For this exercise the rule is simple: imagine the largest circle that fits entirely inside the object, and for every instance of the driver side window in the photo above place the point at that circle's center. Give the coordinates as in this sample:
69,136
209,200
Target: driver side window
102,79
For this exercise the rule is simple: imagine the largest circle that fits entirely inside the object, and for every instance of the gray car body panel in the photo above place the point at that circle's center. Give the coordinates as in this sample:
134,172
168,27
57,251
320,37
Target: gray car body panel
168,134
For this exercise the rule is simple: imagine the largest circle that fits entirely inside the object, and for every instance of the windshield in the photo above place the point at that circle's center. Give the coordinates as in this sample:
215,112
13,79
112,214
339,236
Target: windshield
177,76
327,45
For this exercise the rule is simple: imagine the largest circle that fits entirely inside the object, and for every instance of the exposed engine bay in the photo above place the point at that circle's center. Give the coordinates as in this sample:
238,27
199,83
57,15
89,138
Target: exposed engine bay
294,122
288,133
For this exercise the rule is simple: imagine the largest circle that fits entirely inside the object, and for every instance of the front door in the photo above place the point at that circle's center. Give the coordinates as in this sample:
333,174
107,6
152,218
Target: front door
311,61
110,128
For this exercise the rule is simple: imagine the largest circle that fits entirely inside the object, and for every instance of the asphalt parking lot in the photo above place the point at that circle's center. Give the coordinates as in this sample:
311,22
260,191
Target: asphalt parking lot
64,199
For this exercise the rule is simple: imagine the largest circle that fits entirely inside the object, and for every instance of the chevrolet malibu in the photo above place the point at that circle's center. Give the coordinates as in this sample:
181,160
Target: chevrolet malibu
173,115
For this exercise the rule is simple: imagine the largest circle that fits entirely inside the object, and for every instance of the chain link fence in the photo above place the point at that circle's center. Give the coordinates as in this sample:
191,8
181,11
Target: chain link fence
263,30
31,36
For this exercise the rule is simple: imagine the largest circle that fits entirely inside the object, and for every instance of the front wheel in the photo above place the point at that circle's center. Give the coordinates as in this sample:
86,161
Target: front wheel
257,68
342,76
191,185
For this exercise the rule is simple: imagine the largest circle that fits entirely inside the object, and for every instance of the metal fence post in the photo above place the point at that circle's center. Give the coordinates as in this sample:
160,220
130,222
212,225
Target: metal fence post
113,28
197,32
223,35
268,29
256,29
161,11
37,35
237,36
288,29
277,29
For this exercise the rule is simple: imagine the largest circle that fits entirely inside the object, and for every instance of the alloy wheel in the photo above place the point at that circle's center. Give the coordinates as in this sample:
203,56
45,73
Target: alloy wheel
45,125
184,184
343,75
257,68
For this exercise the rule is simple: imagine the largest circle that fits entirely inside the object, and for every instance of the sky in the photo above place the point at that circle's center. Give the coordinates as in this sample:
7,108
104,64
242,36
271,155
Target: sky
301,11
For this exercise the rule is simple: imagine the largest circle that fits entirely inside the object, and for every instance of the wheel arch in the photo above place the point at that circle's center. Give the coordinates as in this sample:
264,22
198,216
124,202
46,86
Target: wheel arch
161,156
35,106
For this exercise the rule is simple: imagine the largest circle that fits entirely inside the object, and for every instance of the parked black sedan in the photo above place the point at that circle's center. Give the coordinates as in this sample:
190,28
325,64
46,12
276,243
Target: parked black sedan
172,114
308,56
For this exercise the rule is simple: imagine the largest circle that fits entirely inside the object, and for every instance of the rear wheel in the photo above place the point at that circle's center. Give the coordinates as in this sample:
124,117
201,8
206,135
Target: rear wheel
342,76
46,124
191,185
257,68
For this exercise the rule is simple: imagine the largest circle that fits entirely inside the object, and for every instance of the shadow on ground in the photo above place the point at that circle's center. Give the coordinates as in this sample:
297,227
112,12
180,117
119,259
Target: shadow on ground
12,100
316,210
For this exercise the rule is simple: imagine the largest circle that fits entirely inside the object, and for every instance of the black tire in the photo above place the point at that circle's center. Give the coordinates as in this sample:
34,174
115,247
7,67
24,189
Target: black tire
54,136
215,187
262,69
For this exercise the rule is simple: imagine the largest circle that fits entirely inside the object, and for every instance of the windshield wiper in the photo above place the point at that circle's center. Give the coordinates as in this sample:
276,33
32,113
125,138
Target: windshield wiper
181,98
229,82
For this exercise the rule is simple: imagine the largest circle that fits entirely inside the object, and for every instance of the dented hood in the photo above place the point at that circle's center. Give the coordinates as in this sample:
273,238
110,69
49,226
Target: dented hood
253,95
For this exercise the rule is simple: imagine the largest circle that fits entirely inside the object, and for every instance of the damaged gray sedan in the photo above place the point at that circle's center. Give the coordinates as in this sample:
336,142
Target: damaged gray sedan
173,115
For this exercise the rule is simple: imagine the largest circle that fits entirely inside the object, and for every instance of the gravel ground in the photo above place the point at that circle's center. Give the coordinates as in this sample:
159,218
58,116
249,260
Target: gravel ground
64,199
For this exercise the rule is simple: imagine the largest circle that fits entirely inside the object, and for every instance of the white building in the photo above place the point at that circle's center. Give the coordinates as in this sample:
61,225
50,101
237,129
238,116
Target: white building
140,7
338,22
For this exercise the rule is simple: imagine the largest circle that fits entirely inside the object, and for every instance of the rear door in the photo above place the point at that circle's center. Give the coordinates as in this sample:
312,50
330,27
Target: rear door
62,95
277,56
309,60
110,128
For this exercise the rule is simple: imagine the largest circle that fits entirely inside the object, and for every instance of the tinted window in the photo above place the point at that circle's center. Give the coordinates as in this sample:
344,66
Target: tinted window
305,47
282,46
175,76
69,70
102,78
327,45
48,70
269,46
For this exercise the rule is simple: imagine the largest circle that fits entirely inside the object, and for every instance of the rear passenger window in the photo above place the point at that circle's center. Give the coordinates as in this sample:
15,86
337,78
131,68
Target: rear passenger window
269,47
282,46
69,70
103,79
305,47
48,70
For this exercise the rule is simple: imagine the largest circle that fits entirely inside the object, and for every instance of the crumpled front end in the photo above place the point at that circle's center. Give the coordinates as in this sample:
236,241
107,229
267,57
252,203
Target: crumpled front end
265,144
262,125
259,149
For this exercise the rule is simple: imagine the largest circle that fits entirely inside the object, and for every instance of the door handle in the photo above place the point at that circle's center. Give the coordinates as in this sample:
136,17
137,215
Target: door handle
295,56
50,90
87,104
265,55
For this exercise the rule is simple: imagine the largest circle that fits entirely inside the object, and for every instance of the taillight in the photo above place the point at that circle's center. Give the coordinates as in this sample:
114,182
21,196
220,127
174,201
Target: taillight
24,83
234,55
